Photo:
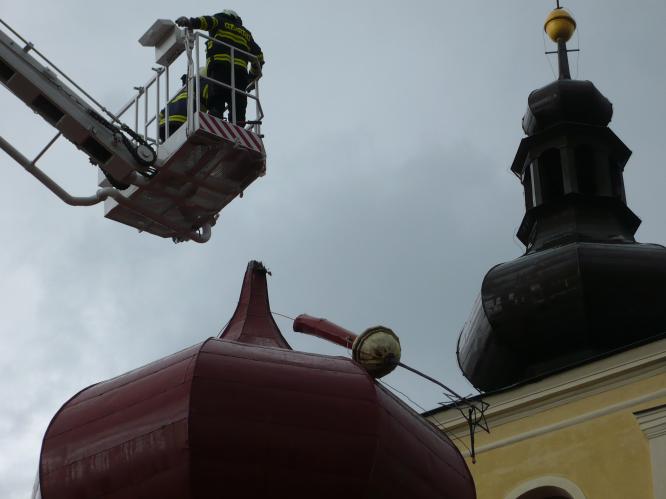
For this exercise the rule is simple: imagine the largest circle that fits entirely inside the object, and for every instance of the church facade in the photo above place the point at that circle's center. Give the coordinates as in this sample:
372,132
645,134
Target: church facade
595,431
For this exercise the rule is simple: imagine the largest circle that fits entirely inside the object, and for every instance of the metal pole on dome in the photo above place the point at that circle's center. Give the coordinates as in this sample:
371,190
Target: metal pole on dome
560,27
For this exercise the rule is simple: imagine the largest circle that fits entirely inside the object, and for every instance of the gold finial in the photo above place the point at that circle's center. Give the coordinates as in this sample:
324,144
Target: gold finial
560,25
378,350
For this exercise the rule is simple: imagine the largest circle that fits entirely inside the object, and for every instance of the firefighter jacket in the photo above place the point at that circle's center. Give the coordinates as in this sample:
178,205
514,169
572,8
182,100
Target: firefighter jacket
225,29
177,108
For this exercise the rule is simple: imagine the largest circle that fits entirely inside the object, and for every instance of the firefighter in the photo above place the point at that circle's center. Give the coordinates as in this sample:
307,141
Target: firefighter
178,106
177,111
227,27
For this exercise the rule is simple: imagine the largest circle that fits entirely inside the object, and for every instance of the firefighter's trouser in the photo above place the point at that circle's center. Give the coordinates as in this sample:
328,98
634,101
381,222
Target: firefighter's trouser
219,96
173,126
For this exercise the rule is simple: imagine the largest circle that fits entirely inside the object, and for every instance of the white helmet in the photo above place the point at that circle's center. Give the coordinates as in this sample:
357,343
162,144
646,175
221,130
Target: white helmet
233,14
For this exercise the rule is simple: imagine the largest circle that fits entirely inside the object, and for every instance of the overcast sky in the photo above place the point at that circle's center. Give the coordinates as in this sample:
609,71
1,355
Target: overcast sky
389,132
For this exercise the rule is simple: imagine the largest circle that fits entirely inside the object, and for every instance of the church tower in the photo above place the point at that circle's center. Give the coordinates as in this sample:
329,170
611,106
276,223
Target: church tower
584,288
568,341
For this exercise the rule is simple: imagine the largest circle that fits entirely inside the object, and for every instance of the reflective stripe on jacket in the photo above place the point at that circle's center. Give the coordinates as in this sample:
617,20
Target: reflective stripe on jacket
177,109
223,28
178,105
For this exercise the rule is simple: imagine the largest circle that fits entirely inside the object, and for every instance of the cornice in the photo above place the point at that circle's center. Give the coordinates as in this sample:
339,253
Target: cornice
564,388
652,421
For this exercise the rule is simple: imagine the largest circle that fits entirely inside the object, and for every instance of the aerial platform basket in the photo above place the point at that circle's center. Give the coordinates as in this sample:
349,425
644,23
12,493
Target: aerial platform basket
171,185
200,170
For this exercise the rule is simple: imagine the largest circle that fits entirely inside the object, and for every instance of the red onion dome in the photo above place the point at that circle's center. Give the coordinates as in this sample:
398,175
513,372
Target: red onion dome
244,416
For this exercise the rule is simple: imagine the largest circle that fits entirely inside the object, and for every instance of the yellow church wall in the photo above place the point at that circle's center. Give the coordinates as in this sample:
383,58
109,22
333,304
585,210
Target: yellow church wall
583,432
607,458
534,418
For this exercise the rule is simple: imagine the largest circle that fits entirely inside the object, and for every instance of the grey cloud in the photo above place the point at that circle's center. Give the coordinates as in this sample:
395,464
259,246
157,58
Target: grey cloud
389,134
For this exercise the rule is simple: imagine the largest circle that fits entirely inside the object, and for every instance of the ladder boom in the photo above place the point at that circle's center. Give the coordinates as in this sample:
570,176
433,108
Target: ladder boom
49,96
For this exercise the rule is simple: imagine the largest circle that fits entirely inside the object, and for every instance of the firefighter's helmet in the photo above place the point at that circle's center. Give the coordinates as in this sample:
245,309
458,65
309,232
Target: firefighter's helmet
233,14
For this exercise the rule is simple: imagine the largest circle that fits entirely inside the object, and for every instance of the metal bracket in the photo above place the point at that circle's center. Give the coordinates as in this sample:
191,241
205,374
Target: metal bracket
474,411
200,235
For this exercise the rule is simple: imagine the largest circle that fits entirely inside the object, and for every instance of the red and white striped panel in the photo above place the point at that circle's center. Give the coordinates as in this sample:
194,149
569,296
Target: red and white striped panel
230,132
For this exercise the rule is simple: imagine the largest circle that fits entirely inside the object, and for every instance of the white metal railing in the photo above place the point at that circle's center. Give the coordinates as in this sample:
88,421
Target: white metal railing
144,115
252,90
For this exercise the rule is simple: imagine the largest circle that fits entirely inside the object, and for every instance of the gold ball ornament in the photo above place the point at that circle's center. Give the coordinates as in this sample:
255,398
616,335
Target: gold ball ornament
560,25
378,350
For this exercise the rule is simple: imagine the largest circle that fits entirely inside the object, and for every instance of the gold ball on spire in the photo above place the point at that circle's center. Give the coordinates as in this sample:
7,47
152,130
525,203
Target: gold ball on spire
560,25
378,350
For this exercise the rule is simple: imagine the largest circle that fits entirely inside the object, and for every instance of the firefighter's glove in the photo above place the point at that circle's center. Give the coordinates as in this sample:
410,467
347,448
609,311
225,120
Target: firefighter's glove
183,22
